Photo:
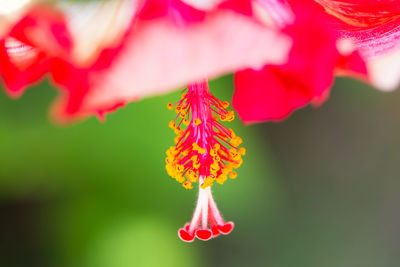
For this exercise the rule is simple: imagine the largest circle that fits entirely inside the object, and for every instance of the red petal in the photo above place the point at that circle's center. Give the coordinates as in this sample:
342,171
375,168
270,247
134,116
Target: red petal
276,91
362,13
20,67
241,6
372,25
44,28
28,46
181,11
268,94
352,65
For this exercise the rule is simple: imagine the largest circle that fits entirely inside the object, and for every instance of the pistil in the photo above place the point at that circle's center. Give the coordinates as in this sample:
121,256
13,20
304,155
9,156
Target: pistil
206,151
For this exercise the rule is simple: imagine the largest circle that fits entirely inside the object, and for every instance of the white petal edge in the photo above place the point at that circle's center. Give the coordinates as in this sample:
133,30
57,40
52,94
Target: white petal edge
384,70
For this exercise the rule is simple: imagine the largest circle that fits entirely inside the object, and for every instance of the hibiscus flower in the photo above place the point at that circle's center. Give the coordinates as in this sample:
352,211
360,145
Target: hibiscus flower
102,55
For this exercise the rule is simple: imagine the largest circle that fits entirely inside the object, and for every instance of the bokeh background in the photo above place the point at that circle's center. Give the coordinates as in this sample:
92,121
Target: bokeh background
320,189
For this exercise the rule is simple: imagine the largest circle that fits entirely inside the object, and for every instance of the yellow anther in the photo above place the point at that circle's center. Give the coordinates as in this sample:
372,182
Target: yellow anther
197,121
230,116
208,180
182,114
171,151
172,125
185,122
217,158
237,157
242,151
170,106
194,158
176,139
194,179
214,167
190,172
187,185
178,108
237,165
233,135
221,179
227,169
196,165
225,104
198,149
179,168
233,175
236,141
178,131
217,147
233,152
180,178
213,152
170,170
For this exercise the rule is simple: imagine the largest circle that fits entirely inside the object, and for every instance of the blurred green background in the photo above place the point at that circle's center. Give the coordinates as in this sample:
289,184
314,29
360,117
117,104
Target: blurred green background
317,190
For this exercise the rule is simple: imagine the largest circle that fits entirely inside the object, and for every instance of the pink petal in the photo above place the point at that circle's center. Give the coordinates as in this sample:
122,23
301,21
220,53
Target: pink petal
159,56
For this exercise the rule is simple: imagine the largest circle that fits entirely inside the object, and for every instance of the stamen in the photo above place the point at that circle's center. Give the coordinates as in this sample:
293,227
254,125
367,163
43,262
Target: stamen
199,149
206,151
